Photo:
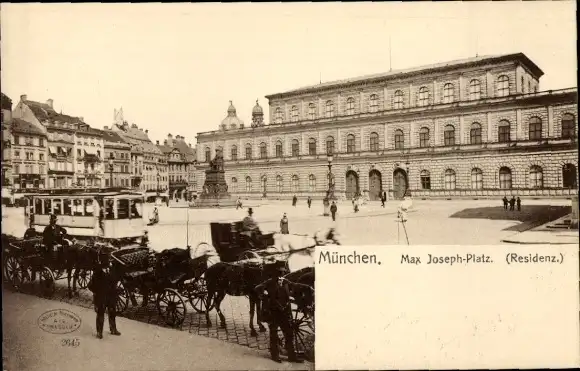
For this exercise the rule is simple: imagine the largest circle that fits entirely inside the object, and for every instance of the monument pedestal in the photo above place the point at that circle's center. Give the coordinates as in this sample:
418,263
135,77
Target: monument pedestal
215,189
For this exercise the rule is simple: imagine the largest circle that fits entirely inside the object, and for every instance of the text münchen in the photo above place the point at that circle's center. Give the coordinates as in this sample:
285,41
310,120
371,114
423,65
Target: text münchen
352,258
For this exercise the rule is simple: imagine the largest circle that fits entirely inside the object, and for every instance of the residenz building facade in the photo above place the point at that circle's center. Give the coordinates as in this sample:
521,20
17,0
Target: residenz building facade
473,128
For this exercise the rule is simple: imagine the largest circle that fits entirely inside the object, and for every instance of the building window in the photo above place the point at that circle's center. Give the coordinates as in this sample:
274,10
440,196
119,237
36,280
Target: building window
41,156
329,109
295,148
295,185
536,177
449,179
248,184
350,106
350,143
535,128
311,111
568,126
424,137
476,178
398,102
474,89
248,151
207,155
503,86
278,116
279,152
503,131
505,178
399,139
523,85
569,177
41,142
263,150
312,146
279,183
234,153
448,93
294,114
311,183
425,180
374,142
423,99
329,145
475,133
374,103
449,135
234,185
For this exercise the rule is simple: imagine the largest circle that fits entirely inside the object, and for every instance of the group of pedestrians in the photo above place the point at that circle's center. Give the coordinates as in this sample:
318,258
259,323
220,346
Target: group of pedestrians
513,202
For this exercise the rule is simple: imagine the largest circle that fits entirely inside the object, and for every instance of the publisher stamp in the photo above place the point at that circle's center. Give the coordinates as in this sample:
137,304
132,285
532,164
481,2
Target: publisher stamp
59,321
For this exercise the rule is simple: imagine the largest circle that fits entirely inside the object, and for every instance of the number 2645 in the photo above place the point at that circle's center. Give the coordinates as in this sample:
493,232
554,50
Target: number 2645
73,342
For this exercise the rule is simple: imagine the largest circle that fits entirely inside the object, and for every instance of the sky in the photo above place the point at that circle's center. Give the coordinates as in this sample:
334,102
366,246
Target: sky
173,68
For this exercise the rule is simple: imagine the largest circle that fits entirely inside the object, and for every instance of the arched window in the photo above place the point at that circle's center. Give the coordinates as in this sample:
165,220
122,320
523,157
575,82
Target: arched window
295,184
503,131
329,145
449,135
425,179
569,177
536,179
476,178
373,103
248,151
329,109
234,153
374,142
503,86
350,143
263,150
448,93
399,139
279,152
234,185
350,106
535,128
311,111
449,179
295,148
505,178
475,133
279,184
311,183
399,100
278,116
423,99
264,183
312,146
207,154
474,89
568,126
294,114
424,137
248,184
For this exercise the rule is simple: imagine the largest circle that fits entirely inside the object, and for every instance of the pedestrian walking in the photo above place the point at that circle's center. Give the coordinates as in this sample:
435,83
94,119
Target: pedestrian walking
145,239
284,225
383,198
309,201
239,203
103,285
333,210
519,203
512,203
505,202
294,200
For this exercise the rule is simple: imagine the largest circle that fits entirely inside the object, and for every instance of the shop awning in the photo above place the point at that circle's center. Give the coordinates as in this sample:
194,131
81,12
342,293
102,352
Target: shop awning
91,151
52,150
51,166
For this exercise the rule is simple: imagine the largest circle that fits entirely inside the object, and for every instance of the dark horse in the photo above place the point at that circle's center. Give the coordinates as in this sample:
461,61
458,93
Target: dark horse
238,279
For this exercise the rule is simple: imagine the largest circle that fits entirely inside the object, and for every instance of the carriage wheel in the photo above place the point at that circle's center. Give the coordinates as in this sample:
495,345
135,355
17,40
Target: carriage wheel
197,294
249,255
84,278
171,307
14,272
122,298
47,282
303,326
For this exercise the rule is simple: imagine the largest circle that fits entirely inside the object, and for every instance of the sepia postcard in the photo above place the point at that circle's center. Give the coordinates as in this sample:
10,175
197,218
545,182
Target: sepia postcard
174,174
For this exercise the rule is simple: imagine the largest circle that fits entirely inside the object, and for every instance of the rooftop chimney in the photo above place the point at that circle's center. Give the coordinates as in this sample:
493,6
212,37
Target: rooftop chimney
157,142
82,119
49,102
146,131
189,145
165,142
23,97
106,127
134,126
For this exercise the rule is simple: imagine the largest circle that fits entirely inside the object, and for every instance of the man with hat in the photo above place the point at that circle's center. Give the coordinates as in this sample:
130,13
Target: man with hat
277,311
284,225
103,285
250,229
52,235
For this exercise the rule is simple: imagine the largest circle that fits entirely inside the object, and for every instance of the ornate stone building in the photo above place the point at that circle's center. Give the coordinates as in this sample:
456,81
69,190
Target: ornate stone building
472,128
117,154
180,158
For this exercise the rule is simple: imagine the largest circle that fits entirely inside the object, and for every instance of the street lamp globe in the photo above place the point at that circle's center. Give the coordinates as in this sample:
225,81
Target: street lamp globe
329,158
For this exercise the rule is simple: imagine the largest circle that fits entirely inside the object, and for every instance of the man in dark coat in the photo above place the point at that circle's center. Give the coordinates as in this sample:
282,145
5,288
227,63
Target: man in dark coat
505,202
383,198
294,200
278,312
512,203
519,203
103,284
53,235
333,210
309,201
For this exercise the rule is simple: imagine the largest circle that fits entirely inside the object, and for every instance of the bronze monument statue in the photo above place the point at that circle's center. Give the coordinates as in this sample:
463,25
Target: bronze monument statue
215,189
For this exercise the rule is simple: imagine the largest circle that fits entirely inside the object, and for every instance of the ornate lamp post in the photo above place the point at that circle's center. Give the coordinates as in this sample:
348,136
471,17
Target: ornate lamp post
111,167
330,191
158,179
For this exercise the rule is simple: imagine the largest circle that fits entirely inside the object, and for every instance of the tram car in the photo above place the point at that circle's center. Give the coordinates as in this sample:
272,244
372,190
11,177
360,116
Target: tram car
112,215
